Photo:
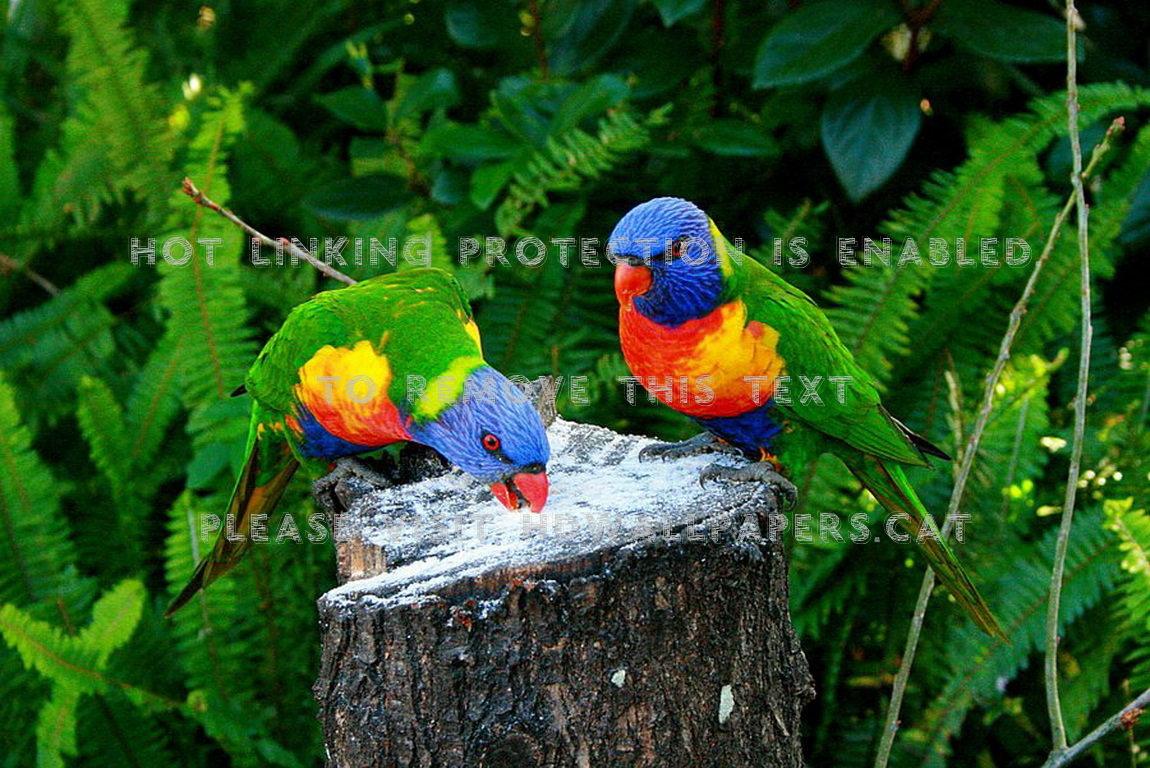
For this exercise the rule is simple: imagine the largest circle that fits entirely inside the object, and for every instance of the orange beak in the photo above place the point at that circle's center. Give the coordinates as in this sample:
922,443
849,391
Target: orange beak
529,487
631,281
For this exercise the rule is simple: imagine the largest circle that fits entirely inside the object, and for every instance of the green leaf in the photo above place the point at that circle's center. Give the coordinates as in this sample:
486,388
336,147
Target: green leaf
589,100
867,129
431,90
356,106
674,10
579,34
356,199
9,182
819,38
736,138
484,25
487,181
1003,32
460,141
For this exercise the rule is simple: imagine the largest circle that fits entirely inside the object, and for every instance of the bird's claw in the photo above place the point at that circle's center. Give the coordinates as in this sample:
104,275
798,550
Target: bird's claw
704,442
783,488
347,481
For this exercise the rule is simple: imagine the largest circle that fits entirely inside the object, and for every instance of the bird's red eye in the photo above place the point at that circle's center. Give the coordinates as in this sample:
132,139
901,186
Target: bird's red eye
491,442
676,249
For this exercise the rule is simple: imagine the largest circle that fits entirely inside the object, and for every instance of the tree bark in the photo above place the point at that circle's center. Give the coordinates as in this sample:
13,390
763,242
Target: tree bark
640,620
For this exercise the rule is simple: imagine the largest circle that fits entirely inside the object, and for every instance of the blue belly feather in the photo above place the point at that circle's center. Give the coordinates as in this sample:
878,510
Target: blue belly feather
317,443
750,431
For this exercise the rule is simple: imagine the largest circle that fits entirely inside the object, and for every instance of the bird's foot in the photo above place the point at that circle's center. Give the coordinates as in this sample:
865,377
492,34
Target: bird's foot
349,479
758,472
704,442
350,466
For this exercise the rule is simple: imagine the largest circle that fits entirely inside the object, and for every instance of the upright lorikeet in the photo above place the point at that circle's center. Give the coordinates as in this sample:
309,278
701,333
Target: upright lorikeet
692,306
394,358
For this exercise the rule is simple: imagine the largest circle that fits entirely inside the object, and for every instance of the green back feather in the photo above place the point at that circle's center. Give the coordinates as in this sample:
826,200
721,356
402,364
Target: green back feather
416,319
811,348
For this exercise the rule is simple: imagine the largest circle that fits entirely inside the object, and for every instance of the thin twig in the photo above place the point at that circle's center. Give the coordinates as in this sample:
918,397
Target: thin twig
966,460
718,43
193,192
536,14
1068,755
9,264
1053,704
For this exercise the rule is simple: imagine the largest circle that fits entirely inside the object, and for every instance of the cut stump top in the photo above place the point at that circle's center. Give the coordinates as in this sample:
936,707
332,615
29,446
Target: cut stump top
444,531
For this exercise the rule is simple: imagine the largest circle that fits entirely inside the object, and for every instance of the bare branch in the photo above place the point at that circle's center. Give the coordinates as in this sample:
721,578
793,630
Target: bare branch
9,264
1124,717
966,459
1053,704
193,192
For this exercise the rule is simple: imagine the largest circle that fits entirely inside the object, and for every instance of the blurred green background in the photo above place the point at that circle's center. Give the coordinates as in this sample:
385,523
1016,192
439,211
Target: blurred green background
820,120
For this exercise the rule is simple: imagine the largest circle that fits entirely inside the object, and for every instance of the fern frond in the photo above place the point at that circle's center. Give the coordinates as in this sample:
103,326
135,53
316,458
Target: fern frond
101,423
48,348
222,635
74,664
570,160
978,667
119,103
152,406
208,316
34,535
203,631
56,728
71,186
1010,457
111,732
114,619
874,312
1132,527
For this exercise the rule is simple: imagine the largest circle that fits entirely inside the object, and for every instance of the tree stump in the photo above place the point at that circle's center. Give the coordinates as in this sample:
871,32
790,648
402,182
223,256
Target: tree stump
639,620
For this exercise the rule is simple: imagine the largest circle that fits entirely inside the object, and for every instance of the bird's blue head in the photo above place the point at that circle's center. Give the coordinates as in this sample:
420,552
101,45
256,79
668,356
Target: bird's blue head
493,433
666,261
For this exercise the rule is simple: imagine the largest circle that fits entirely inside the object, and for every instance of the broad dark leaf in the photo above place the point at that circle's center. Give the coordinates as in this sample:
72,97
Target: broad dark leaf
735,138
358,199
674,10
578,34
817,39
867,129
357,106
1004,32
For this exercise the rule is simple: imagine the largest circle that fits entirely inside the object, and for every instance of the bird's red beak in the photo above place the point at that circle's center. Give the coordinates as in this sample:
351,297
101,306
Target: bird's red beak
631,281
530,487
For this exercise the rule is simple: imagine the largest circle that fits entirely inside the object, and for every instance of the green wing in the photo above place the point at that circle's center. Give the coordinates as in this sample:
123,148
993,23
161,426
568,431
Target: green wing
811,348
419,319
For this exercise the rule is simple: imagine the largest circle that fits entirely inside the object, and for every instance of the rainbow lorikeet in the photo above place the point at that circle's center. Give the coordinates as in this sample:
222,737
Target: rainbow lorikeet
394,358
692,306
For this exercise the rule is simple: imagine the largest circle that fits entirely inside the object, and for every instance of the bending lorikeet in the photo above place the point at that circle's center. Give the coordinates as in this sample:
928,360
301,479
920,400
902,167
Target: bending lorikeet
394,358
692,306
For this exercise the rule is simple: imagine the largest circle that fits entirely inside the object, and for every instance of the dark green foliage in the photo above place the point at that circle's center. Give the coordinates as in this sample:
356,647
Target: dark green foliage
448,120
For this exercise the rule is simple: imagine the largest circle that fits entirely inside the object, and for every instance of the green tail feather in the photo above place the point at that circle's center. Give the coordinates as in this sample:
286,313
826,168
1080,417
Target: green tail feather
269,467
888,484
